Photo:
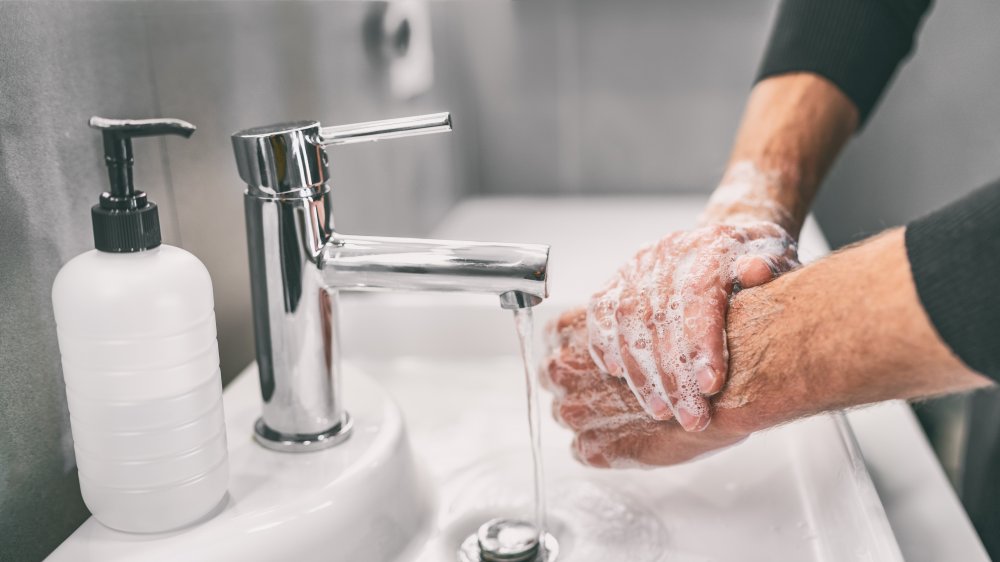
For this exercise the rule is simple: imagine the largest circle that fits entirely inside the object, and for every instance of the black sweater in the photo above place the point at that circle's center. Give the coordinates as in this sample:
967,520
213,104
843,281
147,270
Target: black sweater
954,252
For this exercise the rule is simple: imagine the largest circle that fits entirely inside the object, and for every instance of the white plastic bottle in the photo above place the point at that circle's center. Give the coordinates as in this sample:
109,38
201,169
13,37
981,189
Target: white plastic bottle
136,328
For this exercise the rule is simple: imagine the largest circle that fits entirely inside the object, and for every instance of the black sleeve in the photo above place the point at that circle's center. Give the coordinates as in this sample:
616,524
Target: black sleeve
856,44
955,258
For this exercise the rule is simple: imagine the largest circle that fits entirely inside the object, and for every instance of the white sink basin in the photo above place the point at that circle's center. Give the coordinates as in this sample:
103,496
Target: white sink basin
799,493
362,500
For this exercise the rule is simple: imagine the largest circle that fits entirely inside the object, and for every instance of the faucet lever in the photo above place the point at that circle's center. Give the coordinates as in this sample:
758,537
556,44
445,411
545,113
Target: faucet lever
385,129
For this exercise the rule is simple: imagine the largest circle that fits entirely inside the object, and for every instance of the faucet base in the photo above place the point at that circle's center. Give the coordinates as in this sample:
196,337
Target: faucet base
302,442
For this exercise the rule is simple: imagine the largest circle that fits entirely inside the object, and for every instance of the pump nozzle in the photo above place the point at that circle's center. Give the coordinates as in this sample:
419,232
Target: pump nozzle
124,221
118,135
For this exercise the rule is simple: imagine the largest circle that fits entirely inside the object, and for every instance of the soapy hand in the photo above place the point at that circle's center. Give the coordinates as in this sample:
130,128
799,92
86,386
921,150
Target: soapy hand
612,430
660,322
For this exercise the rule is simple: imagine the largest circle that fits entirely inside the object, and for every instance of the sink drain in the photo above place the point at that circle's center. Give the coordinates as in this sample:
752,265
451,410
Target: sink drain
508,540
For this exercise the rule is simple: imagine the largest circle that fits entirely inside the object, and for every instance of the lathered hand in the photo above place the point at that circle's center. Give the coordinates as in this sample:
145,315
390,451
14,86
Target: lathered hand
661,321
612,430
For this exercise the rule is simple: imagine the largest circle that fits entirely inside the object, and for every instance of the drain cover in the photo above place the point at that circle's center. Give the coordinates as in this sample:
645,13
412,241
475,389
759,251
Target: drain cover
508,540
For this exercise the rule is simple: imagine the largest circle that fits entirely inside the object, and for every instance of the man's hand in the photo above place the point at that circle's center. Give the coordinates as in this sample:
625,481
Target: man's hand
612,430
661,321
845,331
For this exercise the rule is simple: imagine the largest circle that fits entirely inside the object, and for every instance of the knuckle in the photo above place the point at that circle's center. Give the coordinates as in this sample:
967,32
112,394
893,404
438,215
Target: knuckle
557,375
588,449
632,448
574,416
556,407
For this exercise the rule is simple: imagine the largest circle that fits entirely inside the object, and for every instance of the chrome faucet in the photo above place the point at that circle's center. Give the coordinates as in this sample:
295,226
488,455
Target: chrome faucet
299,264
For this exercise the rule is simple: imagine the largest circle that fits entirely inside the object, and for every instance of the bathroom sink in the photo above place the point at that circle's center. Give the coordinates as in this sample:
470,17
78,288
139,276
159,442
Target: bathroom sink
440,445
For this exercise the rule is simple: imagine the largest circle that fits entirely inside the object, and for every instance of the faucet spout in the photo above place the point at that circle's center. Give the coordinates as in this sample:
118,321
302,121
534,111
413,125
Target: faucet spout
411,264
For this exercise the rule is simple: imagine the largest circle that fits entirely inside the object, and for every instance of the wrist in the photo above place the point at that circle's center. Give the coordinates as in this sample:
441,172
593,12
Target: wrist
793,127
758,365
753,191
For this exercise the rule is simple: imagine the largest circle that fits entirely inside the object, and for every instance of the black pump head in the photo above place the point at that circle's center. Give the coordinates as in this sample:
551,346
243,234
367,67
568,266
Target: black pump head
124,220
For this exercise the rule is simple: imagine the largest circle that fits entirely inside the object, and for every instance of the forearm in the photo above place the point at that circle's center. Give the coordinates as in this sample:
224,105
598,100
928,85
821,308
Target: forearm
845,331
825,67
793,128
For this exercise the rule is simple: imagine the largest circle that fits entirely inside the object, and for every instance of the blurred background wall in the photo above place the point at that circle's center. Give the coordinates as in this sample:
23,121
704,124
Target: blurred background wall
564,97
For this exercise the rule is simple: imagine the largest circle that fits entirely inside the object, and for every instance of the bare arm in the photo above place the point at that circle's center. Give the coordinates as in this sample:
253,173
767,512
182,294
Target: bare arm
845,331
793,127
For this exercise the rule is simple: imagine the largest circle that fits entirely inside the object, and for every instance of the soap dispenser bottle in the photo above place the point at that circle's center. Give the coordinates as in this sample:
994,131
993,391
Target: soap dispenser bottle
136,327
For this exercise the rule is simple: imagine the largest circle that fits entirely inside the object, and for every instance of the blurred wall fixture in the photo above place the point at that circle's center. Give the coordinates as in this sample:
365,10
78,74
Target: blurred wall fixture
397,38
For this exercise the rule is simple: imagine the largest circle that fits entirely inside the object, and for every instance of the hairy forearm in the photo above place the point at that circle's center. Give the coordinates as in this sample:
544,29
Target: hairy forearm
845,331
793,128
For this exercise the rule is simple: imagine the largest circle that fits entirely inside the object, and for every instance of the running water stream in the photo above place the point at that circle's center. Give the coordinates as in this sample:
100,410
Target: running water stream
598,522
525,333
515,540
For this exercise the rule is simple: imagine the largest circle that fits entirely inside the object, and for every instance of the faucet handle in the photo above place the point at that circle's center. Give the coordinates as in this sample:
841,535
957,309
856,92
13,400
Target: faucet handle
385,129
289,160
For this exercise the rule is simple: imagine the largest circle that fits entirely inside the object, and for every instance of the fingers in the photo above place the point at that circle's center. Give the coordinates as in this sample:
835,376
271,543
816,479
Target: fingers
604,397
557,415
566,379
752,271
602,331
690,349
585,398
563,328
703,360
602,318
545,370
661,363
603,402
565,338
575,416
661,445
643,379
610,448
693,412
638,358
589,453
